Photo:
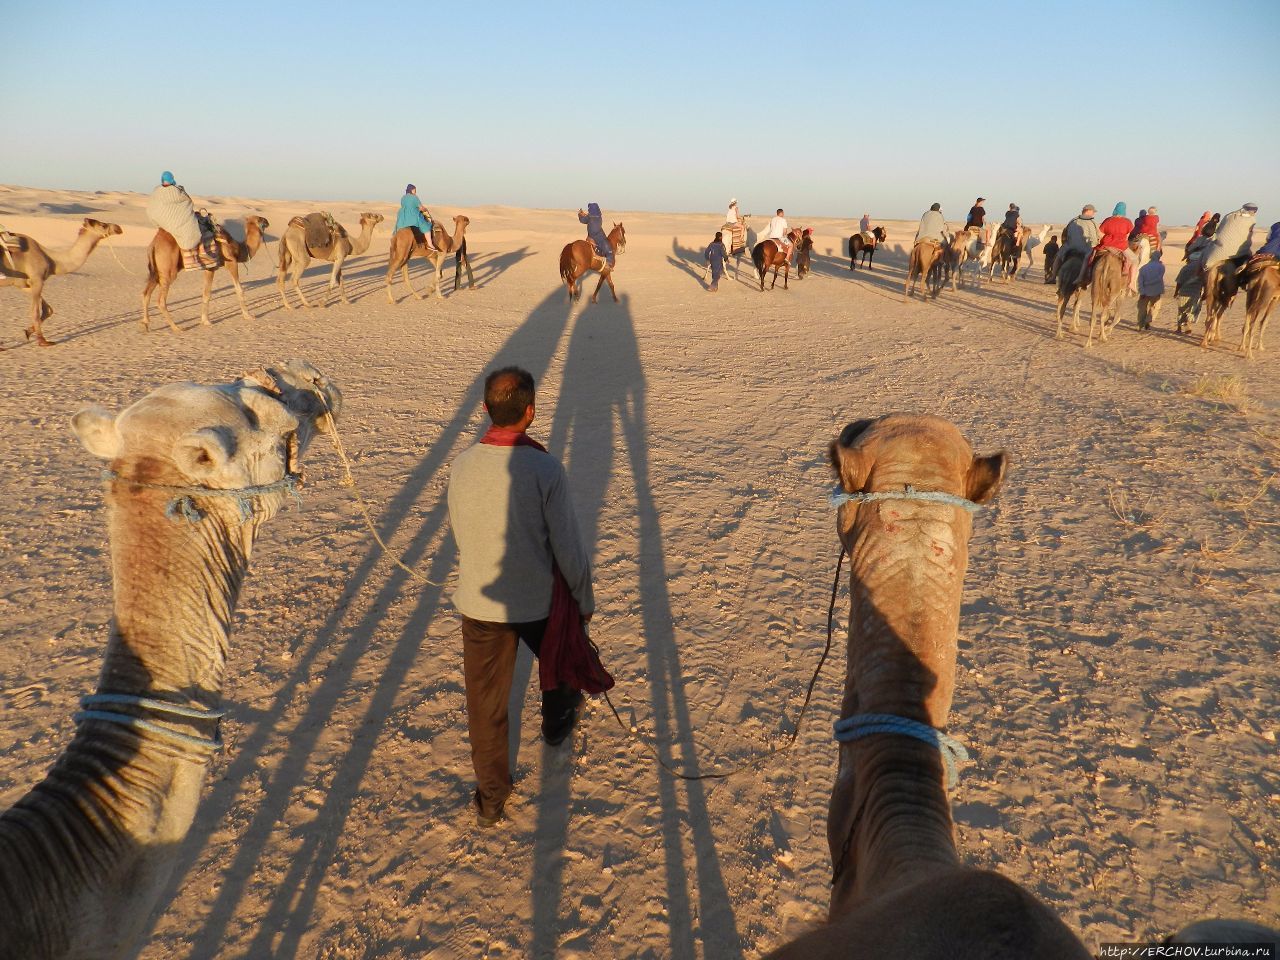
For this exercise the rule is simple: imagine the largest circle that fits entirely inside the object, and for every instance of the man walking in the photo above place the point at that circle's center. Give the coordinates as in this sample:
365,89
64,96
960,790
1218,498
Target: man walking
513,520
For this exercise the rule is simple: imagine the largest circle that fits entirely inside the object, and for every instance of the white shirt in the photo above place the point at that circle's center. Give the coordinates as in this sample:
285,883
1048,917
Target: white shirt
733,215
777,229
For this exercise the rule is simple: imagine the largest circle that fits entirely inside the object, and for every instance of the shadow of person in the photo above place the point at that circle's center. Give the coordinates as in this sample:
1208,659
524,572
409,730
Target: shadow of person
325,677
600,429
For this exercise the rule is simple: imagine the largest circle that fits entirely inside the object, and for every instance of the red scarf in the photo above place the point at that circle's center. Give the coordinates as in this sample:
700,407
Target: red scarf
567,655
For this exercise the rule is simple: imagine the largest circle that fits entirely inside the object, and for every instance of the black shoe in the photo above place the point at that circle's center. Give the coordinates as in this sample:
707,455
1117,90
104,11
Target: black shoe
555,730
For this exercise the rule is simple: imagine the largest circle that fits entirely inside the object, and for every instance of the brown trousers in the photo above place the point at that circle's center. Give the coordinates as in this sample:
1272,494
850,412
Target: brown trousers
488,665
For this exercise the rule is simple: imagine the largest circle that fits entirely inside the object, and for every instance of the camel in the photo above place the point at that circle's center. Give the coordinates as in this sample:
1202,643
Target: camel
1070,286
1105,291
195,471
774,253
295,253
1221,284
27,265
1006,252
164,263
858,244
900,890
738,238
579,256
407,241
907,487
965,247
1262,291
1030,243
926,263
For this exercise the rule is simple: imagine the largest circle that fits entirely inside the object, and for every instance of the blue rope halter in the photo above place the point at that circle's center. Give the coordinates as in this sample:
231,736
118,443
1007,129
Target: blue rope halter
155,706
862,725
183,505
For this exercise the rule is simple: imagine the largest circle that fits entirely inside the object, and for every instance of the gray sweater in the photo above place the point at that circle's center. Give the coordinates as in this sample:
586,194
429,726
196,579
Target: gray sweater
511,515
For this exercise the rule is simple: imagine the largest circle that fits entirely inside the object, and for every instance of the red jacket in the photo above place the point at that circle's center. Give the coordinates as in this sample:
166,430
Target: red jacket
1151,226
1115,232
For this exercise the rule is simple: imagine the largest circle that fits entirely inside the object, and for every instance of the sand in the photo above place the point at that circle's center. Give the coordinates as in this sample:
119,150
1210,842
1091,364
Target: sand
1117,678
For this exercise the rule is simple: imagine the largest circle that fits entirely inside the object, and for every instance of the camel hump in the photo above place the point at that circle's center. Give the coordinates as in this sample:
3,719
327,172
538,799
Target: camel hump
320,231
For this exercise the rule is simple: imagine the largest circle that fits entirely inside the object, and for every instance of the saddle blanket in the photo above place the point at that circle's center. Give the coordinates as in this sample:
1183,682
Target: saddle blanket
320,231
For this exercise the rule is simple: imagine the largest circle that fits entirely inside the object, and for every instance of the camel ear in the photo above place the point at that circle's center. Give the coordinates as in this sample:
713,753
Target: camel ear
850,464
203,453
985,476
95,426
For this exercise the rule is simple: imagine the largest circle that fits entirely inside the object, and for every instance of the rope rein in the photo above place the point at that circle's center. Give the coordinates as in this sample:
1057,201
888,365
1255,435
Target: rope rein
862,725
182,506
112,247
141,725
839,497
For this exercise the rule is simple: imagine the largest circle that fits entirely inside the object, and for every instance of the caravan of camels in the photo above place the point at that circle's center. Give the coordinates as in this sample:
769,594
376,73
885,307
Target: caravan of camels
94,855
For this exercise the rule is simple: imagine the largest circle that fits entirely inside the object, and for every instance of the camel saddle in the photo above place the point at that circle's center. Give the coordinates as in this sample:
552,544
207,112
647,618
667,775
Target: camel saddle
868,238
320,232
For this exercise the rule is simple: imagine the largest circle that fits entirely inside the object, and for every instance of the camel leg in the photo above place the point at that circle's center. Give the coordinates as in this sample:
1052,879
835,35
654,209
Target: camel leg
786,274
205,296
40,311
152,283
234,270
163,302
404,272
298,271
284,296
438,283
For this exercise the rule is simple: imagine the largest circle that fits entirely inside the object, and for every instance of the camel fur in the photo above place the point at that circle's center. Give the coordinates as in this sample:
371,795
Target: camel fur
925,265
1105,290
1262,291
900,890
85,854
164,263
405,243
27,265
295,257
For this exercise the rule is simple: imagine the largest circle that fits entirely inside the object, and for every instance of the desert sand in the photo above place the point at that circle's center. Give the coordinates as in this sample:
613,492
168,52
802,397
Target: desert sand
1117,684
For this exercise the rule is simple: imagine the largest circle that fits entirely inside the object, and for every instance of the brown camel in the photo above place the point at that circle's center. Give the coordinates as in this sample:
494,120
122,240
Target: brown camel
579,256
295,253
926,264
900,890
194,473
408,241
1221,284
773,253
1262,290
1006,252
965,247
1070,287
1105,292
164,263
859,245
27,265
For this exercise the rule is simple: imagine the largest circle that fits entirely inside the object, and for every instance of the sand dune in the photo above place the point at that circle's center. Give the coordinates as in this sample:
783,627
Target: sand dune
1118,677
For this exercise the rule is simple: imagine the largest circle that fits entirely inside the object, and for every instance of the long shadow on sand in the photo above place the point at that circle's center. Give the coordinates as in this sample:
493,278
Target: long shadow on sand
290,907
602,402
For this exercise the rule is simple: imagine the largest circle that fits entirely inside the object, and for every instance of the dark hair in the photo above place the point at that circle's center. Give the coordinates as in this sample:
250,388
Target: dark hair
936,206
779,211
719,236
1054,237
507,394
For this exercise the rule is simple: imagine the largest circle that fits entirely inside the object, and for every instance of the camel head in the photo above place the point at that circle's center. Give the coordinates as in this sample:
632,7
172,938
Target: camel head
900,450
260,222
244,434
100,229
371,218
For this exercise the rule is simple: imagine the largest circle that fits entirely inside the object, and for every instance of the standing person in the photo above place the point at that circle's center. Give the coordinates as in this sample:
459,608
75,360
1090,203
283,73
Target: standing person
778,230
169,208
933,226
715,255
864,225
1188,286
1150,290
518,544
415,216
1050,258
594,220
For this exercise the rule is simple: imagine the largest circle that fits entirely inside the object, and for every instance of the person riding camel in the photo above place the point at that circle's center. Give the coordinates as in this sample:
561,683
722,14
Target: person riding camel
1115,232
1150,228
933,226
778,230
733,216
169,208
1079,237
974,223
1012,221
595,231
415,216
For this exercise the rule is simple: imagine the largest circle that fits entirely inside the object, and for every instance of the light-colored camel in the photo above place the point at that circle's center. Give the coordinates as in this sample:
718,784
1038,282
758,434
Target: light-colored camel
900,891
195,472
405,243
27,265
294,254
965,247
164,263
925,264
1105,291
1262,291
1030,244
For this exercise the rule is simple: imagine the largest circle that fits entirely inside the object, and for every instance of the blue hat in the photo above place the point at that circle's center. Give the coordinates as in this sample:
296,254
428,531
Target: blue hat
1121,210
167,178
410,188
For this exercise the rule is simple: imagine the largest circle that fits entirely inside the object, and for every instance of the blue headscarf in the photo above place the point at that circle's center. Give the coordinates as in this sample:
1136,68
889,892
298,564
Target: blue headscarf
1121,210
166,178
593,209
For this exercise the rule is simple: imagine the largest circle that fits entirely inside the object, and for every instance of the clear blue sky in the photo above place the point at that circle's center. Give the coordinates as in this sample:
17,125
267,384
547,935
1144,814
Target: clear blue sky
825,109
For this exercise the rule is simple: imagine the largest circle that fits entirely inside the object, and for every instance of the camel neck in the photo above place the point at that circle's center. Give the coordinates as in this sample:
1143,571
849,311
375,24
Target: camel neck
361,243
73,259
176,585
